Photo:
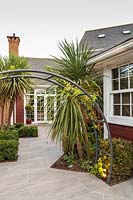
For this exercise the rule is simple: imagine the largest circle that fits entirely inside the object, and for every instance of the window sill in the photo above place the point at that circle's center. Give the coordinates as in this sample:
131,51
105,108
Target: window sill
126,121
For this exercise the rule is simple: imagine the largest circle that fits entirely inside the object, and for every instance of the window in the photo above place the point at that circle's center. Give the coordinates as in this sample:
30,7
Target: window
122,77
30,100
122,90
43,101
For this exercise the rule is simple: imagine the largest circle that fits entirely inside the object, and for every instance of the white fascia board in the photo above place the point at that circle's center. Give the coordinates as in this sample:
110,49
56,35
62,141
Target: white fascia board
114,51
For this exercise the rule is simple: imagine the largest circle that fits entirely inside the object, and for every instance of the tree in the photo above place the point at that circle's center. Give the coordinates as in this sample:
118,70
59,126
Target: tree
69,125
13,87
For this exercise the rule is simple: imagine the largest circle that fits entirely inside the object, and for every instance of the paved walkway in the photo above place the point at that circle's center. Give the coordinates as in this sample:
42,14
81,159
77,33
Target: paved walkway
30,178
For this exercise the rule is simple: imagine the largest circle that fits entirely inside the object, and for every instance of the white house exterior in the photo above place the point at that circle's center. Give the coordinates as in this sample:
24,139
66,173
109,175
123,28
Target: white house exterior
116,63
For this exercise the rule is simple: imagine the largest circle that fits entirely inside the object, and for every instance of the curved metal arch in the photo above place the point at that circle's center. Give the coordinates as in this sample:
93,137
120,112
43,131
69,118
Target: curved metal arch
52,75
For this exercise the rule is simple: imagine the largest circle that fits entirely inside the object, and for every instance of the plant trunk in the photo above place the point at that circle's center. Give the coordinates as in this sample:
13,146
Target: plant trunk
79,148
11,107
2,115
88,152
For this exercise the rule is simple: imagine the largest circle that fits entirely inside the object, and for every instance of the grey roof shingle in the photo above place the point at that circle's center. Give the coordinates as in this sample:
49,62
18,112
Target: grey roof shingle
40,64
113,36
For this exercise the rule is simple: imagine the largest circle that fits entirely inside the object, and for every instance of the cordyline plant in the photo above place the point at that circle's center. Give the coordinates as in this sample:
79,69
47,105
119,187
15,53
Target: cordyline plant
70,124
12,87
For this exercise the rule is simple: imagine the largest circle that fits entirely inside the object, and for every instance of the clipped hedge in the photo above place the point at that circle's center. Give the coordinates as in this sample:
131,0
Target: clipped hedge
13,127
18,125
8,150
28,131
9,142
9,135
122,158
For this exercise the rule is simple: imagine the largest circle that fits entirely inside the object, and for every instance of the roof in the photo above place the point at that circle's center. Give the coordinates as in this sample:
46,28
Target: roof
105,38
117,49
40,64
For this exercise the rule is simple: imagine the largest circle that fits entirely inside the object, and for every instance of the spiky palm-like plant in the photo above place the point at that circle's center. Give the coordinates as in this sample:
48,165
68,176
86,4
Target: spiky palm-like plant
13,87
69,125
73,63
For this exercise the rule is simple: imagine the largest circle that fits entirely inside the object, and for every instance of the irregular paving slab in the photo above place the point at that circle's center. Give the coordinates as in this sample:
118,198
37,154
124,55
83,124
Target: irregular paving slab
31,178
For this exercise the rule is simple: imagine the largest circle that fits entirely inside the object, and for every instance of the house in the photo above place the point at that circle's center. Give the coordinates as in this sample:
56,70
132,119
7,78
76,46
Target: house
113,55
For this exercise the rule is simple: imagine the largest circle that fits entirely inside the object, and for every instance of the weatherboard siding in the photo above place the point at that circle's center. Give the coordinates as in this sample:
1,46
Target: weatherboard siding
124,132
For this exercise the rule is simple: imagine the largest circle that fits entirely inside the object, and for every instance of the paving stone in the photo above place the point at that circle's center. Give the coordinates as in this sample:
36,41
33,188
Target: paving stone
31,178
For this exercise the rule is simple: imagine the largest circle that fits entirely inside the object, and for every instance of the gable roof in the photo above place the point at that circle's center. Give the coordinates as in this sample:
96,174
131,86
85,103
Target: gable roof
40,64
105,38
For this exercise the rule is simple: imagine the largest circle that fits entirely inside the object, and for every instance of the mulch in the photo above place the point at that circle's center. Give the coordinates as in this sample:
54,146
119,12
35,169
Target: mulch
62,164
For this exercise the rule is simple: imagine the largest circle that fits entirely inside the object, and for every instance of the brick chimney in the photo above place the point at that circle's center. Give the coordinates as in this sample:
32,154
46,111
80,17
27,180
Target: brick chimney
13,44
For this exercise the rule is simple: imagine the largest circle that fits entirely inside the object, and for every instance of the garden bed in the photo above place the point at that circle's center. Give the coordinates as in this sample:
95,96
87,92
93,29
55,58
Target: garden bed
63,165
122,169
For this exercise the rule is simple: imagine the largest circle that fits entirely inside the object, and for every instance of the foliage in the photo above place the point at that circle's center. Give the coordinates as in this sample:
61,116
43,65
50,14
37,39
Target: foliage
122,160
8,150
70,124
69,158
13,87
8,127
101,169
29,109
28,131
9,135
12,127
86,165
18,125
8,145
74,62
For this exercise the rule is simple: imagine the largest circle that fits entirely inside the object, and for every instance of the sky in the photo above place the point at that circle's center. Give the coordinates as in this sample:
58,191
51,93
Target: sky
41,24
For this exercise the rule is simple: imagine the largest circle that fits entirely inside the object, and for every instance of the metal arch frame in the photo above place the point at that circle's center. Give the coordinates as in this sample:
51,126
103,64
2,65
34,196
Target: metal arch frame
49,79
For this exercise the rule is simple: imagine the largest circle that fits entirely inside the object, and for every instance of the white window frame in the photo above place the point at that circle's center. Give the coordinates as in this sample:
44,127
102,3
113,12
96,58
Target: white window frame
108,100
35,104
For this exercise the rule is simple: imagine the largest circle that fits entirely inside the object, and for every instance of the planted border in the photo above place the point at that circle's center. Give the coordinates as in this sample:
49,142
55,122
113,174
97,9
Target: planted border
28,131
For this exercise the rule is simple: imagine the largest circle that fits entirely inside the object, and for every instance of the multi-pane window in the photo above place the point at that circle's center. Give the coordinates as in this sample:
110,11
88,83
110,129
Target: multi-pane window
122,80
123,104
122,77
43,101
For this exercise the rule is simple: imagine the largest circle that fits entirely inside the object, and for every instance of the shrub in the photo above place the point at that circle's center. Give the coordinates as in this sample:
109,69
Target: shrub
28,131
8,150
9,127
9,135
18,125
122,160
